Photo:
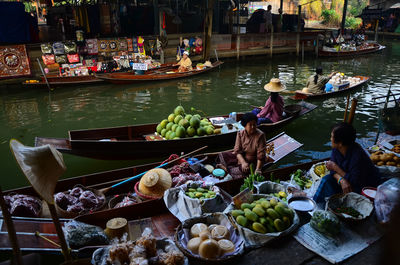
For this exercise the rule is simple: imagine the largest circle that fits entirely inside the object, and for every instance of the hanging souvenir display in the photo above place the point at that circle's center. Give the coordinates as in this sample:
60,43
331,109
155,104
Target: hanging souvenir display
198,46
129,43
14,61
113,45
82,50
92,46
79,36
58,48
135,45
140,43
103,46
122,44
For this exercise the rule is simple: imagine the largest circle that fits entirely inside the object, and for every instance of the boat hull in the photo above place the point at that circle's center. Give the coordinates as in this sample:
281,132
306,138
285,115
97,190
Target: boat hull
375,48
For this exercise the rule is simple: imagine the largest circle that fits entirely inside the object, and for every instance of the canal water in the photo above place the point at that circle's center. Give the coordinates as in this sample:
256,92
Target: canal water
27,112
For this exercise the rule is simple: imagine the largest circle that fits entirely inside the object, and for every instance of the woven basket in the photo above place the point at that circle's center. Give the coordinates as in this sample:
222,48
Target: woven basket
118,198
333,201
142,196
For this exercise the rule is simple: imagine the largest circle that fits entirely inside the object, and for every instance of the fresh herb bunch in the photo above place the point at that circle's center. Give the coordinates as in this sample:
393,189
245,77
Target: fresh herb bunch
348,210
249,181
301,180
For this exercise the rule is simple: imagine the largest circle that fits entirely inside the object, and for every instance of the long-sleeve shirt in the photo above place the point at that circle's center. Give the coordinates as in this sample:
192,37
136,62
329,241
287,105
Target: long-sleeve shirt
272,110
186,63
360,171
319,86
251,147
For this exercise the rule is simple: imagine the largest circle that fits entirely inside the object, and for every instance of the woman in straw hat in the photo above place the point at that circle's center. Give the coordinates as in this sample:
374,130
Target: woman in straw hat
316,83
273,109
185,64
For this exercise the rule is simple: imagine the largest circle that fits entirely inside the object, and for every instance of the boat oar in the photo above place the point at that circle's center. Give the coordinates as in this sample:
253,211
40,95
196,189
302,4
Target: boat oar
37,233
43,73
105,190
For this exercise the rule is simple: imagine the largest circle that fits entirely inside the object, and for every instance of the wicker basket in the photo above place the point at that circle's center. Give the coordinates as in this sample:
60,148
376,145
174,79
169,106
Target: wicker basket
118,198
65,214
292,110
142,196
336,199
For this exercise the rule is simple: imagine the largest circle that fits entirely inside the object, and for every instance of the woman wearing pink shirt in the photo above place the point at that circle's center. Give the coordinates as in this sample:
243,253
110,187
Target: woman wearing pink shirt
273,109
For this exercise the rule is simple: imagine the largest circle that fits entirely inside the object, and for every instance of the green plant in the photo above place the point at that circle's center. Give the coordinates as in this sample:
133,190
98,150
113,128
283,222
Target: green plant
352,22
330,17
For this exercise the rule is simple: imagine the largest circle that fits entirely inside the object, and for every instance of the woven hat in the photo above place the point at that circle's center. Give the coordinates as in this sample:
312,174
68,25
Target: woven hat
155,182
186,52
41,165
275,85
208,64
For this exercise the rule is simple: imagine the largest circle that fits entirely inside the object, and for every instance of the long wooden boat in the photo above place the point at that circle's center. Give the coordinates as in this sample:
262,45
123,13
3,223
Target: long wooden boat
372,47
127,78
134,142
55,80
301,95
160,219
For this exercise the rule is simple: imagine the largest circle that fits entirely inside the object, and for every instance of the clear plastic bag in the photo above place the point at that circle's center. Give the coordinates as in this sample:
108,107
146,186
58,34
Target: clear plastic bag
80,235
325,222
387,197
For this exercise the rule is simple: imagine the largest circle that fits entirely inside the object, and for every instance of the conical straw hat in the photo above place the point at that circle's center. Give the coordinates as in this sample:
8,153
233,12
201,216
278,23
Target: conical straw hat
41,165
155,182
275,85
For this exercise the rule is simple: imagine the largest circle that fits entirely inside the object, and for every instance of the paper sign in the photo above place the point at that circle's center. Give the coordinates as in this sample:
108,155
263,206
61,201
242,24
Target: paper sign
139,66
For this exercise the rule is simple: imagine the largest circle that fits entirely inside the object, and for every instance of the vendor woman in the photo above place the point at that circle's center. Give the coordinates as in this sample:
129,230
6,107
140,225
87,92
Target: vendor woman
185,64
316,83
350,167
249,149
273,109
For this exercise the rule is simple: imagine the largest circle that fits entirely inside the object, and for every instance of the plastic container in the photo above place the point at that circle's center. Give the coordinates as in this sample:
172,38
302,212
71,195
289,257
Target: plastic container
369,192
218,173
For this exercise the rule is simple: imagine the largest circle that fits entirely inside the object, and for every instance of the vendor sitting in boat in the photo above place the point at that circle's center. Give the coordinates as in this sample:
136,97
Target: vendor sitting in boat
350,167
273,109
185,64
249,149
316,83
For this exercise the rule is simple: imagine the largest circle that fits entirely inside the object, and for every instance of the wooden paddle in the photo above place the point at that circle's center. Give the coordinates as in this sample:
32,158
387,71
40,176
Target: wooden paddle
105,190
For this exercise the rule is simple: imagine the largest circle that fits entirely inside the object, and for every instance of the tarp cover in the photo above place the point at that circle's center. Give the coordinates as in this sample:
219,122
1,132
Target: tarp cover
14,23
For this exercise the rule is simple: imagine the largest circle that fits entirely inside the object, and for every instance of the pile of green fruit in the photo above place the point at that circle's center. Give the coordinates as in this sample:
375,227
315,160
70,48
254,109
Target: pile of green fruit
180,125
280,195
200,193
264,216
301,180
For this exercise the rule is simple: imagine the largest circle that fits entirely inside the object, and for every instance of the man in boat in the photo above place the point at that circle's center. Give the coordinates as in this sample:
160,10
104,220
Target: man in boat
316,83
273,109
249,149
185,64
350,167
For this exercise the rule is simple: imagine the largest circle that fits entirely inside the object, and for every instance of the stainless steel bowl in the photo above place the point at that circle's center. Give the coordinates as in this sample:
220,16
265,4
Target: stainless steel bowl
302,204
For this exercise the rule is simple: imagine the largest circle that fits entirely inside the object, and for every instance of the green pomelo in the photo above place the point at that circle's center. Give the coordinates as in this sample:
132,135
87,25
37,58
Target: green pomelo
178,118
173,128
179,110
159,128
184,122
169,126
180,131
195,122
167,134
171,117
209,130
191,131
201,131
164,123
198,116
188,117
172,135
163,132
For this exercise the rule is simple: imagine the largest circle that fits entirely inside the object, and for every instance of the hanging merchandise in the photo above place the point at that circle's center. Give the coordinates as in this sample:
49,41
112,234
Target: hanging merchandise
140,43
102,46
82,50
92,46
122,44
48,59
135,45
60,59
73,58
129,43
187,46
70,47
79,36
46,48
198,46
58,48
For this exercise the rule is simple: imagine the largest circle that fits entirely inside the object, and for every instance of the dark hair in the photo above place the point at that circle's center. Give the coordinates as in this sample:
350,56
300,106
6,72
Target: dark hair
344,133
269,7
274,96
248,117
318,71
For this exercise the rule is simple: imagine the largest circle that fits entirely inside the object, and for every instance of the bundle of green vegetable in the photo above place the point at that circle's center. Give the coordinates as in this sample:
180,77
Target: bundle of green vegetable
301,179
249,181
348,210
325,223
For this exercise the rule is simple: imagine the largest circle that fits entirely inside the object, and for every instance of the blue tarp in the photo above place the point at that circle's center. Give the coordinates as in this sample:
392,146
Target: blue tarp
14,23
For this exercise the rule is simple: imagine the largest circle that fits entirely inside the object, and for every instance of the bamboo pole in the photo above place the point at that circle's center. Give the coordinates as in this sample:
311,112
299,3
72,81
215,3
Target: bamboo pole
352,110
347,107
376,30
271,45
64,247
12,235
237,46
43,73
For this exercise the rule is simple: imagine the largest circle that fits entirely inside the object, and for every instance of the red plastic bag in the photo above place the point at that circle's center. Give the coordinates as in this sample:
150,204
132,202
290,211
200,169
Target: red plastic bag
73,58
48,59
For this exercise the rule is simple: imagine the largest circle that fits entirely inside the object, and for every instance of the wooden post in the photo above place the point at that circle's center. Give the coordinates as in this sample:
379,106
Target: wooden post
65,250
347,107
344,14
238,18
208,28
271,45
302,51
352,111
12,235
237,46
317,47
298,31
376,29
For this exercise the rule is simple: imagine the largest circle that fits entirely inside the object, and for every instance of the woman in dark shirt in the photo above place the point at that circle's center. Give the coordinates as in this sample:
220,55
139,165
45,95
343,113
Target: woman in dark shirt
350,167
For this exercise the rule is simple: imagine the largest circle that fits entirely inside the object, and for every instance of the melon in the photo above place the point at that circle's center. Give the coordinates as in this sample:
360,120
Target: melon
172,135
209,130
188,117
163,132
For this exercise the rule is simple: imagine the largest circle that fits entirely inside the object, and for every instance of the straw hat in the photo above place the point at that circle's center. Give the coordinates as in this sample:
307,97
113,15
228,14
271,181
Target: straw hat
155,182
186,52
275,85
41,165
208,64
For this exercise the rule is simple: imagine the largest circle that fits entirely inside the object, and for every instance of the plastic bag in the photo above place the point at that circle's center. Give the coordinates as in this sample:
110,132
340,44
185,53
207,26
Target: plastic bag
70,47
325,222
46,48
48,59
387,197
80,235
60,59
58,48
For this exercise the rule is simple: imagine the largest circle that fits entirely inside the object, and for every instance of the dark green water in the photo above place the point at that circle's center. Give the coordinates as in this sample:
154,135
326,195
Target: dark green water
26,113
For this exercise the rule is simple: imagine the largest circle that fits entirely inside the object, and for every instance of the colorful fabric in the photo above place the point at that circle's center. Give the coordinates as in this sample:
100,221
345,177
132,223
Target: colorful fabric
14,61
272,110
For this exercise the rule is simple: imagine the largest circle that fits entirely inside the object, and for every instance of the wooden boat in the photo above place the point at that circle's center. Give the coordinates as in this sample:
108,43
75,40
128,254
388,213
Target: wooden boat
160,219
55,80
372,47
127,78
140,142
301,95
